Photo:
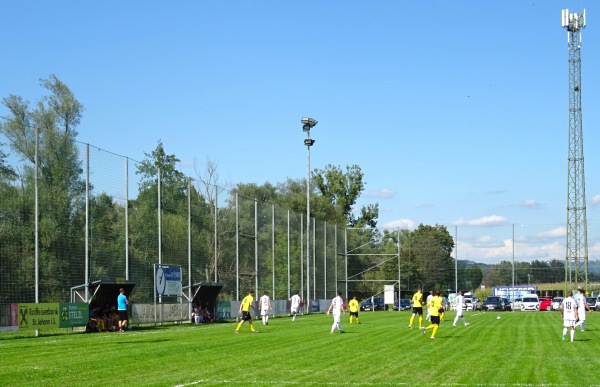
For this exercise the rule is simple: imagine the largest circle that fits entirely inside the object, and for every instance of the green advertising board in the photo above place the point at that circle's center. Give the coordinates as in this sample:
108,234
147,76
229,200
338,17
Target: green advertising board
53,315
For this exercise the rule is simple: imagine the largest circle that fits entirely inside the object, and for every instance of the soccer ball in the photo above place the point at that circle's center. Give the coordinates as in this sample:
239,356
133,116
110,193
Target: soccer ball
498,317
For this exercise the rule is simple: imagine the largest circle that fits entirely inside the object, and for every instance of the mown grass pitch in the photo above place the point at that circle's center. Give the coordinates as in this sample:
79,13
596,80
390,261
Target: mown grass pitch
520,349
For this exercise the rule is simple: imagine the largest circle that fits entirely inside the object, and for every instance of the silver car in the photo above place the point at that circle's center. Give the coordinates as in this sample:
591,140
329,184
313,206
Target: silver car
472,304
556,301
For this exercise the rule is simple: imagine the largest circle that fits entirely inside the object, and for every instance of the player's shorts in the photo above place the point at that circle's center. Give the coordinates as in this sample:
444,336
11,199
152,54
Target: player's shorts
355,314
294,309
264,312
570,323
123,315
418,310
459,313
246,316
435,320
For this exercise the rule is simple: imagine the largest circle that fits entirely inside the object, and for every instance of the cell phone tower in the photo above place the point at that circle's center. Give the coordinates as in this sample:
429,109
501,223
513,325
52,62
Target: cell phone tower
576,265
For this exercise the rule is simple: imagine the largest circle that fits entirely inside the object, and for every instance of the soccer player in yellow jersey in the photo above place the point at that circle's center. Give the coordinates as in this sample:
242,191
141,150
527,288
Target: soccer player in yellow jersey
353,308
434,306
417,308
247,303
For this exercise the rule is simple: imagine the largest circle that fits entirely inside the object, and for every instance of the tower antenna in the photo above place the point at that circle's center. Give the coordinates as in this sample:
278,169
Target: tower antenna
576,264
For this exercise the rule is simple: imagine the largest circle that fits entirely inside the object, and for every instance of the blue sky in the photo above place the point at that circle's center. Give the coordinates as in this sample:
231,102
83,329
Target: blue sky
456,112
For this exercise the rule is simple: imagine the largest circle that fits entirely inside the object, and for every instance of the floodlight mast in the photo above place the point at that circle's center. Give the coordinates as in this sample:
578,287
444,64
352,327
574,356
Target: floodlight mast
577,246
307,124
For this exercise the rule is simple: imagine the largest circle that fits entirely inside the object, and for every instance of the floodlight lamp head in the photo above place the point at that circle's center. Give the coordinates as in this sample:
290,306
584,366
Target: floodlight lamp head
308,123
309,142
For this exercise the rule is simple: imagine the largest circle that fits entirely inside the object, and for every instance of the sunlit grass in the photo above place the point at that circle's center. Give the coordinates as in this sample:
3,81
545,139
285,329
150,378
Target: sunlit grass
522,348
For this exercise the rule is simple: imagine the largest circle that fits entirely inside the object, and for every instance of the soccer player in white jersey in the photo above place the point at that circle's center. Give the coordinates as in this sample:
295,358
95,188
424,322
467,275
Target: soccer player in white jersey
264,303
427,300
458,306
295,299
337,306
582,306
568,311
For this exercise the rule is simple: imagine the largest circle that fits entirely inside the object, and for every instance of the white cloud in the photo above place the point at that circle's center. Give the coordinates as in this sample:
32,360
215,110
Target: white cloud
595,200
403,224
492,220
530,203
503,251
383,193
554,233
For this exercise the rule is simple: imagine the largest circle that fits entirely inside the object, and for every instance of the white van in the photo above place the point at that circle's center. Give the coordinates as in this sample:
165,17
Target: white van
530,302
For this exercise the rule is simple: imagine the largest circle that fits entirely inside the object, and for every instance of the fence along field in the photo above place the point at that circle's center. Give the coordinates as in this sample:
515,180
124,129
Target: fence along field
106,226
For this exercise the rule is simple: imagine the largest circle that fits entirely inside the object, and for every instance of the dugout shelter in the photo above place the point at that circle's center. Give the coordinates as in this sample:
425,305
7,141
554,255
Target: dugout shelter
204,294
102,292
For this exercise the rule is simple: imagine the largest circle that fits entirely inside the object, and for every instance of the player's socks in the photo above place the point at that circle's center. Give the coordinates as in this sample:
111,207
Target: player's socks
420,321
239,325
572,334
412,318
252,326
435,328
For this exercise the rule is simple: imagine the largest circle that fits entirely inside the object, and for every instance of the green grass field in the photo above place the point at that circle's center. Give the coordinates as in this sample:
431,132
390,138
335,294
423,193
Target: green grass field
520,349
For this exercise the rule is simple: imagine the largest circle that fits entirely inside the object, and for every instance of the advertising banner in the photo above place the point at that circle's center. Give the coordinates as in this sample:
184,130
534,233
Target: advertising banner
74,314
167,280
513,292
53,315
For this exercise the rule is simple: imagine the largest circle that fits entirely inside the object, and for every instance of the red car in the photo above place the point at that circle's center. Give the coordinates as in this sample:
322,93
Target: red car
545,303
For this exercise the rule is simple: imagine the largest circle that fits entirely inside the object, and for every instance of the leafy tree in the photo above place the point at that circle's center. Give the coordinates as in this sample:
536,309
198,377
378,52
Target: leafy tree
107,238
52,122
7,173
175,189
429,249
475,276
342,190
500,275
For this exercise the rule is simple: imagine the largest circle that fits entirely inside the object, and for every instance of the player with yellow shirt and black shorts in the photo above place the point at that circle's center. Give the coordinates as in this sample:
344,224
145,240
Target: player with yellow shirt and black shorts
353,308
417,308
247,303
434,306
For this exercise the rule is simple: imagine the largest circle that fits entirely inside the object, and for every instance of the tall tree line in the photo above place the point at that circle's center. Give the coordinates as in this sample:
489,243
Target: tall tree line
52,123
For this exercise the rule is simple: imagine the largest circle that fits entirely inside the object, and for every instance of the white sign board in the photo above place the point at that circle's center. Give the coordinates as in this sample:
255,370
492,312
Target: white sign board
388,294
167,280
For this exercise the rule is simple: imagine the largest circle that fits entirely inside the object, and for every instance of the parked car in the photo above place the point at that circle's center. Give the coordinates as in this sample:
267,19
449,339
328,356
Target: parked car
507,304
367,305
545,303
493,303
517,304
403,304
556,302
592,302
530,302
598,303
472,304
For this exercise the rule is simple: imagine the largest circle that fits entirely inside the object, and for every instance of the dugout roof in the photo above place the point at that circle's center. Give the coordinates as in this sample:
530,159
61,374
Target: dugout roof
205,293
101,292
